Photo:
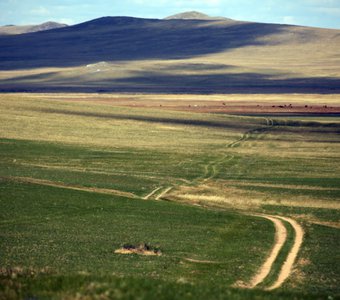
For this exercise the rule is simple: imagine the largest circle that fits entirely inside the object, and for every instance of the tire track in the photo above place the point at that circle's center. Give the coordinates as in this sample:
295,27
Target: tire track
152,193
280,240
214,164
287,267
70,187
211,169
162,194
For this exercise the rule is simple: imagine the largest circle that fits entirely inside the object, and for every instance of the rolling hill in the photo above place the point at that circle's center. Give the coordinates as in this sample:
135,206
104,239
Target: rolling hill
185,53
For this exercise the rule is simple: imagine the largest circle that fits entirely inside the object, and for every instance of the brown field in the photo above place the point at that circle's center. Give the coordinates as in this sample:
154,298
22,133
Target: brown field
258,104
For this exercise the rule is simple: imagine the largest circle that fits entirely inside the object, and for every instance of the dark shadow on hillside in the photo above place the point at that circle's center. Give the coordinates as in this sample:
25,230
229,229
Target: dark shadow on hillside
124,39
283,125
160,83
153,119
226,83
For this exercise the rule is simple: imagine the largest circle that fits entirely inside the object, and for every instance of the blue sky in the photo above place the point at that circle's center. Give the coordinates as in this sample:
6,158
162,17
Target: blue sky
320,13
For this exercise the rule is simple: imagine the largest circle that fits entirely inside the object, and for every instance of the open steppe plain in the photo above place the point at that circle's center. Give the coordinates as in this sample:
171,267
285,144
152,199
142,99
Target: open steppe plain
239,194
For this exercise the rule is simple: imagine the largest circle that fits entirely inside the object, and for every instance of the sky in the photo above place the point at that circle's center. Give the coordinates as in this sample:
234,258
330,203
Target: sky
318,13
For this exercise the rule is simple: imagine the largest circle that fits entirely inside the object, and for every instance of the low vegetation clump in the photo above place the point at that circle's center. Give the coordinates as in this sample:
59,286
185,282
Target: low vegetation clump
141,249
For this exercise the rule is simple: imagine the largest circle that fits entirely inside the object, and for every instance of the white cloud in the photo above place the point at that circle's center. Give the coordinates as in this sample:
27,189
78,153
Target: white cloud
150,2
289,20
330,11
40,11
66,21
209,3
322,2
179,3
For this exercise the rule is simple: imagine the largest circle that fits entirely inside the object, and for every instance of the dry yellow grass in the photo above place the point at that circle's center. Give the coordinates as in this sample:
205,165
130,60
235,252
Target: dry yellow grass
175,100
231,194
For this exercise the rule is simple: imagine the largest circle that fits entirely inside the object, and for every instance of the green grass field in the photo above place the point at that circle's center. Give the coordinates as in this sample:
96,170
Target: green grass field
77,182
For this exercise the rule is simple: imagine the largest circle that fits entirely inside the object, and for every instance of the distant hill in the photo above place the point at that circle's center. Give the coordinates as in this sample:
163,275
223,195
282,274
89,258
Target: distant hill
13,29
193,15
47,26
176,55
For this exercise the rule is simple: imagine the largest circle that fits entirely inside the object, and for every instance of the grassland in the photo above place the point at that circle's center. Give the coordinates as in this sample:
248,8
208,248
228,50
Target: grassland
74,171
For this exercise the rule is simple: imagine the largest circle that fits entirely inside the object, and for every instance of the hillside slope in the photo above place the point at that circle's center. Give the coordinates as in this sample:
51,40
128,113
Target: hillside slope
175,55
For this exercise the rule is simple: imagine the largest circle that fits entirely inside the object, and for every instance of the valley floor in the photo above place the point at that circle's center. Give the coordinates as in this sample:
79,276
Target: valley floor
240,194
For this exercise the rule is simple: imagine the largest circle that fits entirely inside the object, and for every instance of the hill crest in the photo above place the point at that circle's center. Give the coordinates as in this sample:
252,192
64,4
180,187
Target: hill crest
193,15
